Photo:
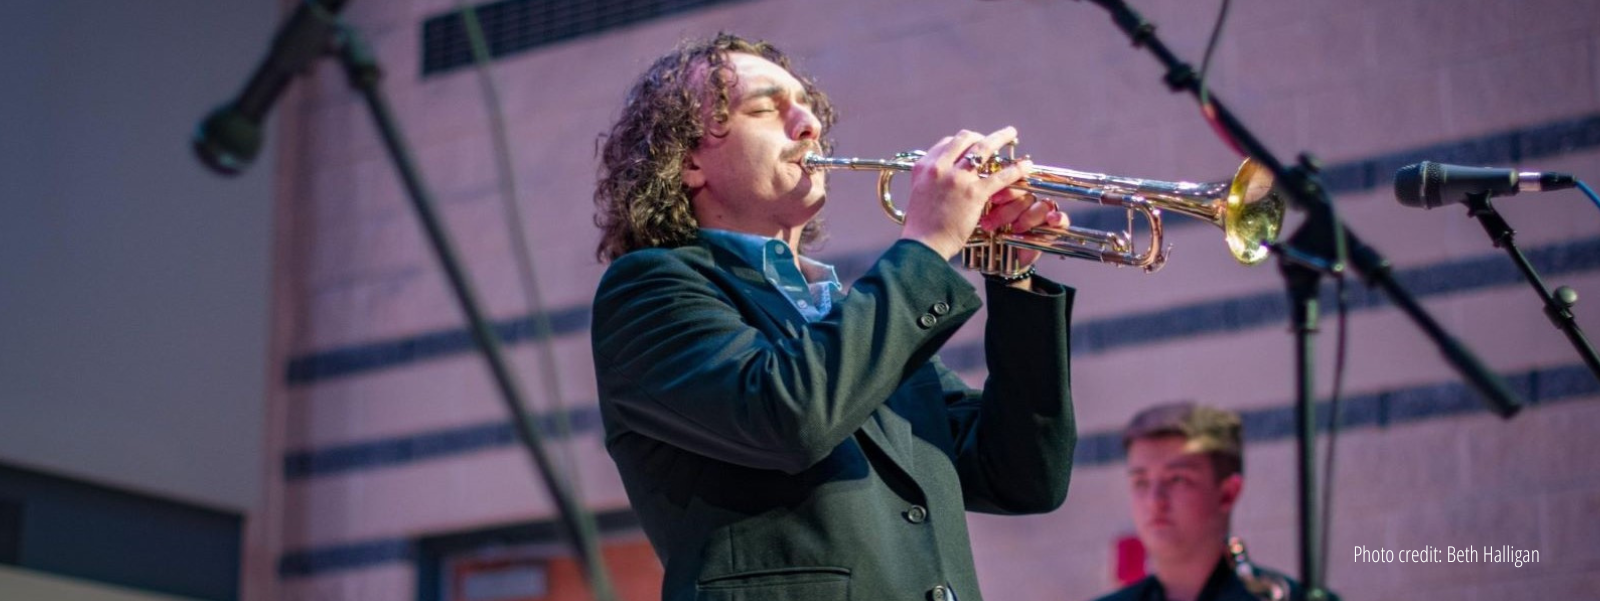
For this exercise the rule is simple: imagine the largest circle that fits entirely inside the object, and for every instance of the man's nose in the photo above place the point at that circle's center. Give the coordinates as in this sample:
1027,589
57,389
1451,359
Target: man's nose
1161,493
1154,506
804,124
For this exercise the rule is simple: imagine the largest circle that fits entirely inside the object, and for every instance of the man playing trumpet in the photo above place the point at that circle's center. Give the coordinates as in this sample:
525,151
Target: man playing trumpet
779,437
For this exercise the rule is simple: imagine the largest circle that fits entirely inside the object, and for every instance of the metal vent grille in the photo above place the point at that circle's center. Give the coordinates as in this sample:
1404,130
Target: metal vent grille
512,26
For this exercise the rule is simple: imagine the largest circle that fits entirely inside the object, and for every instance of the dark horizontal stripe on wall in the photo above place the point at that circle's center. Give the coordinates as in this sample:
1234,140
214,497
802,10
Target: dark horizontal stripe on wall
1362,175
1539,141
353,556
1244,312
432,345
1378,410
1499,149
300,465
1101,448
1375,409
350,556
547,531
1088,337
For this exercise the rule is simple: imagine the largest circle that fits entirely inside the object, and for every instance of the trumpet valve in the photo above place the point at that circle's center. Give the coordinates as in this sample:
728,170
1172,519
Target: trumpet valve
989,254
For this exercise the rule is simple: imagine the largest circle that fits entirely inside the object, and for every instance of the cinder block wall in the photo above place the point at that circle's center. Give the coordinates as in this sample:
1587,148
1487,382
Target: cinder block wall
385,430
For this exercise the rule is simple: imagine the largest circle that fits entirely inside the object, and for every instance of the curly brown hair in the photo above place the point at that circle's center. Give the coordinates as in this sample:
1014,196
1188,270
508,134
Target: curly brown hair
640,200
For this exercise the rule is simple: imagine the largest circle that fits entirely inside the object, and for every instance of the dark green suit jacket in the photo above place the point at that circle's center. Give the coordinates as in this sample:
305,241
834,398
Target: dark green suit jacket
772,459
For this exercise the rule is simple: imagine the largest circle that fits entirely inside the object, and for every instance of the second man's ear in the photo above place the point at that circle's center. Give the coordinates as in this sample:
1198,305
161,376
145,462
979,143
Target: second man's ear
691,174
1232,486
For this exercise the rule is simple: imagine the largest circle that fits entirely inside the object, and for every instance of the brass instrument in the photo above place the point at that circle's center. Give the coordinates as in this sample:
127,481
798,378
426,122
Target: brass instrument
1261,584
1247,209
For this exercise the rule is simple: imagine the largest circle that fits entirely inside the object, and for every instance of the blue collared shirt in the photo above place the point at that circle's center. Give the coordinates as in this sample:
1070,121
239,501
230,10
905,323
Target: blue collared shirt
811,294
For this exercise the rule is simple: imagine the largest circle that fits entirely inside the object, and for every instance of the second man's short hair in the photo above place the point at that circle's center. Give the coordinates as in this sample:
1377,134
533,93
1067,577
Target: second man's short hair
1216,432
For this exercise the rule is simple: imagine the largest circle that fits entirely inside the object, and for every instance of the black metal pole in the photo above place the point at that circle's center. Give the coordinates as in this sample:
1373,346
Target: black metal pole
1302,263
1304,297
576,521
1558,306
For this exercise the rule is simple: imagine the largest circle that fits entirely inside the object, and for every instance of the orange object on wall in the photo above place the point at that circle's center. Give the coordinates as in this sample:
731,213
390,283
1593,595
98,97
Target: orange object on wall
635,574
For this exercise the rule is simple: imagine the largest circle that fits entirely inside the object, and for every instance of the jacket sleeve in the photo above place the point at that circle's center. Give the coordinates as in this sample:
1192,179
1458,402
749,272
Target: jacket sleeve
677,359
1014,441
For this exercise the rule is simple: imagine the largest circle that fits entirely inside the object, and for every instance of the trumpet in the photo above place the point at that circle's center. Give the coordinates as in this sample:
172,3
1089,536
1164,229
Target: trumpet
1247,208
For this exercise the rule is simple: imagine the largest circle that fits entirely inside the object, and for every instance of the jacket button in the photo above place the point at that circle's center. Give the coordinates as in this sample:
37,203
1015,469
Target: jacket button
941,308
939,593
917,514
927,320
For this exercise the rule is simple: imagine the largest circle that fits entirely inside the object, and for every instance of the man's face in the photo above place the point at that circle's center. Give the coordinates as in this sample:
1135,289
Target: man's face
1179,506
746,174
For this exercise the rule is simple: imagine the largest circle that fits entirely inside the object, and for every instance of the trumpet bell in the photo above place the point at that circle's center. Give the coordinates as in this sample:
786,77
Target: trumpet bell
1254,214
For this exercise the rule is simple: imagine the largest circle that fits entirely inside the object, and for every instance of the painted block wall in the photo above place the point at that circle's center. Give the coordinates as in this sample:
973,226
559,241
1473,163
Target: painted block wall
384,428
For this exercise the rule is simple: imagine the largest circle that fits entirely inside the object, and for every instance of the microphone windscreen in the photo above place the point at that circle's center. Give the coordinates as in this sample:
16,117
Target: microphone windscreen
1418,184
1408,185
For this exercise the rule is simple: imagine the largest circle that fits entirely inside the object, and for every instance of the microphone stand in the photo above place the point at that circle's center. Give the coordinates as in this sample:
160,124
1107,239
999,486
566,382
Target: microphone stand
577,523
1322,244
1303,261
1558,306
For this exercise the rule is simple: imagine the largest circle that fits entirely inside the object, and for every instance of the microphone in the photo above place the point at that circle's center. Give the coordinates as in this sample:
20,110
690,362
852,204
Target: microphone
229,138
1429,184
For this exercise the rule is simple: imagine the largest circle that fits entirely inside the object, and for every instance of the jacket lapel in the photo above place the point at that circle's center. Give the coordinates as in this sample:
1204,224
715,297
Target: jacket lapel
878,429
754,286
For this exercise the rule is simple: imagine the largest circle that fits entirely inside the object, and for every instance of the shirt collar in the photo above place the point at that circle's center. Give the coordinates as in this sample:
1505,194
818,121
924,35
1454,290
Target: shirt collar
760,251
810,289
